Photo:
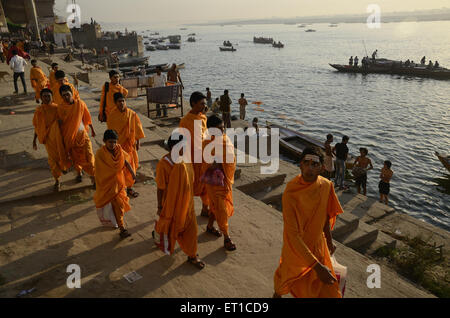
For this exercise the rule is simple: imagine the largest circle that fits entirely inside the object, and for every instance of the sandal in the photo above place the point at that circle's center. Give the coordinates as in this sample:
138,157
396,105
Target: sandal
229,245
196,262
57,187
132,193
124,233
213,231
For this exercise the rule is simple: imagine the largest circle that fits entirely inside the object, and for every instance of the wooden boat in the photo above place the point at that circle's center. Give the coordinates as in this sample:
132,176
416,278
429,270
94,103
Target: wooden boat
294,142
230,49
174,39
174,46
445,159
310,30
133,61
191,39
149,67
150,48
227,43
302,26
384,66
278,45
262,40
162,47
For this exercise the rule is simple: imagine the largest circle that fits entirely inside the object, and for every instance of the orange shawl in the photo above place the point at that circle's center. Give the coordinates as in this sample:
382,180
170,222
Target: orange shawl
306,206
110,105
109,178
38,80
57,98
217,192
75,120
177,213
45,122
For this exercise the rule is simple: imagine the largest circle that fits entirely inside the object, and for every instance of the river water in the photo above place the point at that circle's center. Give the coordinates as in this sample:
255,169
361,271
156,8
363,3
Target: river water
403,119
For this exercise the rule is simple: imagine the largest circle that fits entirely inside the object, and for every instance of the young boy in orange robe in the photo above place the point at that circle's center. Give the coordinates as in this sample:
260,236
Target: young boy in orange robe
74,117
177,218
220,197
45,122
110,163
310,207
189,121
61,80
128,125
38,79
113,87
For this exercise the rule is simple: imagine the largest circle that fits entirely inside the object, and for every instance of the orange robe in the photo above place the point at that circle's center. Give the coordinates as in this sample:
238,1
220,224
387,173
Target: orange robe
52,78
57,98
177,218
110,181
74,129
110,105
163,170
306,206
188,122
38,80
221,198
128,125
45,122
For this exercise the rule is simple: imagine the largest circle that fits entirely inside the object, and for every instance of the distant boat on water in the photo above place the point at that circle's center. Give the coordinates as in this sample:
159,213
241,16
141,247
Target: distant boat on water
310,30
262,40
385,66
231,49
302,26
278,45
333,25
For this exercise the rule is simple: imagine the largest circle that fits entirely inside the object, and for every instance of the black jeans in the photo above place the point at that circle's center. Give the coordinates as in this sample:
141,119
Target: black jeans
22,78
158,110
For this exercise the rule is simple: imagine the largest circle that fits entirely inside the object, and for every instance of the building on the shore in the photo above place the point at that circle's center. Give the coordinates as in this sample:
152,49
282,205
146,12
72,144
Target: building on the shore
61,32
91,36
26,17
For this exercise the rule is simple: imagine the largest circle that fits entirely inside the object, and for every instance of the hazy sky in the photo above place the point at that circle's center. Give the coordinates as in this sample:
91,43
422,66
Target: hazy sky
176,12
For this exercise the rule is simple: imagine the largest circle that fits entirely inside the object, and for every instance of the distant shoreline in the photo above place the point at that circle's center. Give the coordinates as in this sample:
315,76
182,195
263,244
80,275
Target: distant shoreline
421,16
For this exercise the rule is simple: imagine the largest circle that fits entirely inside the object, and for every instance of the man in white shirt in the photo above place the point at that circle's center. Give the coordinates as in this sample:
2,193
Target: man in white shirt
159,80
17,64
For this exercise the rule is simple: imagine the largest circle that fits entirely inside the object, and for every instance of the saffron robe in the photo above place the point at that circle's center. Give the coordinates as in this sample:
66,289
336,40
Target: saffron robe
74,129
38,80
128,125
188,122
163,170
306,206
110,105
52,78
45,122
57,98
221,197
177,218
110,181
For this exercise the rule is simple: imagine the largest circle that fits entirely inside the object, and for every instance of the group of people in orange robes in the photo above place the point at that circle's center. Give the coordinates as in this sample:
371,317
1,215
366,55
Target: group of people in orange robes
61,123
179,179
310,204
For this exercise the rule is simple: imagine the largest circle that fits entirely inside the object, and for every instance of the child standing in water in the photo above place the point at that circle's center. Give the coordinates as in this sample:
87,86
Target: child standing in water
384,185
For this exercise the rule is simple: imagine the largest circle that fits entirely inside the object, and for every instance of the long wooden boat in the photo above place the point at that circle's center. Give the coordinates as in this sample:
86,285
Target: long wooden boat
262,40
294,142
445,159
278,45
133,61
395,68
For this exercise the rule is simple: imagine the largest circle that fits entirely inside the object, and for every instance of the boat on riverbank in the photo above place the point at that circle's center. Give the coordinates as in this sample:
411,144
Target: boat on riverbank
294,142
444,159
150,48
133,61
385,66
230,49
151,69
